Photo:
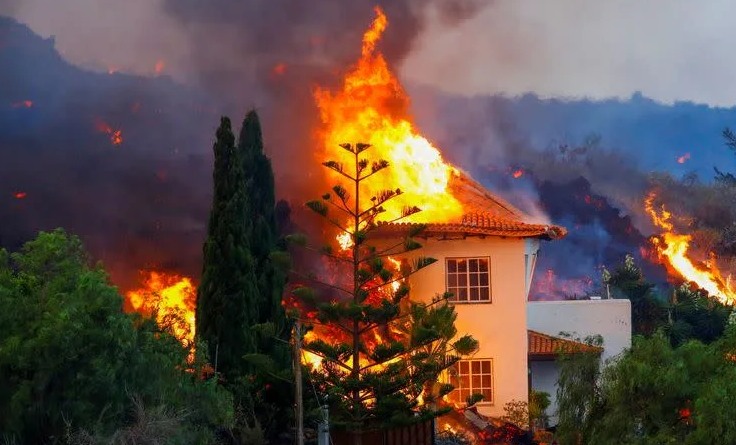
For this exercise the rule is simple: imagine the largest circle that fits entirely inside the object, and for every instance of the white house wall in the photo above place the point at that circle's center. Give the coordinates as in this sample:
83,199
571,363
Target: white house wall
610,319
499,326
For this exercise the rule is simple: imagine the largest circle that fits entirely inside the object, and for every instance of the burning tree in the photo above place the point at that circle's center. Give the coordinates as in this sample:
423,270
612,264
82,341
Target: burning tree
378,354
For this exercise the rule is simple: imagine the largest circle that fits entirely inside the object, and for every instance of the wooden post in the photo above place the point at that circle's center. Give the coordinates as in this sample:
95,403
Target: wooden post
298,400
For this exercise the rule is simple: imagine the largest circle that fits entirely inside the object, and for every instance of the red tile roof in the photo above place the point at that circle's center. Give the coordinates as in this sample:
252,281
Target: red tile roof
543,345
487,215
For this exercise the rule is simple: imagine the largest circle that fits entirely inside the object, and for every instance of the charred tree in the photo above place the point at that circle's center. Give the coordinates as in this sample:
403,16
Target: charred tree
377,356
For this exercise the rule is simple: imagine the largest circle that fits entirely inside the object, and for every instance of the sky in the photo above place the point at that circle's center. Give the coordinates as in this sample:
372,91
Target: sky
667,49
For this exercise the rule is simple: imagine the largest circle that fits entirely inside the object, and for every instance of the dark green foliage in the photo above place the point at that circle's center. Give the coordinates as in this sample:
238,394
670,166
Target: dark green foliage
70,359
647,310
652,394
727,178
687,315
228,290
239,311
381,352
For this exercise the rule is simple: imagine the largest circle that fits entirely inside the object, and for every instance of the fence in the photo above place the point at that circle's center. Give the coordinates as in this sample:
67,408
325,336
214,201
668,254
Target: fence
416,434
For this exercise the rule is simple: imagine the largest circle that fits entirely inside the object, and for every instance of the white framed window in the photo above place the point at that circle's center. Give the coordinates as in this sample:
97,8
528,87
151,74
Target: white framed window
472,377
469,279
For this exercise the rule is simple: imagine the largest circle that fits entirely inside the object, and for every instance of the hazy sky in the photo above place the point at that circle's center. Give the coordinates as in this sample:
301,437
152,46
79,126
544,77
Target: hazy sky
668,49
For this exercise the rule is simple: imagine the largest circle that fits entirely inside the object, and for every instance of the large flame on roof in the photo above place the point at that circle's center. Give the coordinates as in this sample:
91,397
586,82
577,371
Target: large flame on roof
372,107
674,248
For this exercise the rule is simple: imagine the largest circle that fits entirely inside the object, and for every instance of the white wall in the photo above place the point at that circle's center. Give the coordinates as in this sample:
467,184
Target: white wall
499,326
609,318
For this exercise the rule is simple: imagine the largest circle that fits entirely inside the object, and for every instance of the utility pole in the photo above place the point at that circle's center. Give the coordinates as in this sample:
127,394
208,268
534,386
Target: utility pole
298,400
323,435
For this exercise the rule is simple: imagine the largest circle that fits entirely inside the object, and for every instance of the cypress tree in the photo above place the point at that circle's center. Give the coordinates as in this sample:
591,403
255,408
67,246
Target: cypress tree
261,220
227,292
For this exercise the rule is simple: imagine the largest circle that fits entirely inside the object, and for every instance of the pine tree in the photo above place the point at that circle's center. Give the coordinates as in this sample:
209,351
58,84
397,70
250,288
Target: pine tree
227,291
377,361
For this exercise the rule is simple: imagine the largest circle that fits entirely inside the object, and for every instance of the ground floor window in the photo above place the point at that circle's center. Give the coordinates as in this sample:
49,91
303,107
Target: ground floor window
472,377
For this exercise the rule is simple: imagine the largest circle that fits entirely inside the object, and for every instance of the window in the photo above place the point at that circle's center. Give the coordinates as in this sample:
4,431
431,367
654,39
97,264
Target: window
472,377
469,279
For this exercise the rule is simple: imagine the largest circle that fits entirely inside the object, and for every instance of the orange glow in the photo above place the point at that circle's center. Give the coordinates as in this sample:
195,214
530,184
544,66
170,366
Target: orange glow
19,195
171,295
518,174
674,247
112,70
372,107
279,69
159,67
23,104
683,158
116,136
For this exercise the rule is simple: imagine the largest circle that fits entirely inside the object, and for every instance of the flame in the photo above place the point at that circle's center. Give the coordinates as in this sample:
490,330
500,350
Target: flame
171,295
371,107
159,67
19,195
23,104
674,247
112,70
683,158
518,174
116,136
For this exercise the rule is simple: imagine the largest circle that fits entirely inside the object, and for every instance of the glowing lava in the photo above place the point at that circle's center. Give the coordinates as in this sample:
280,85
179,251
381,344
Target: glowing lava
116,136
372,107
674,247
170,296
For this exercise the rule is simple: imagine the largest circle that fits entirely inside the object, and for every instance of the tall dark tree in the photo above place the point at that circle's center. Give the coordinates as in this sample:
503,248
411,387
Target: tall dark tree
228,291
261,220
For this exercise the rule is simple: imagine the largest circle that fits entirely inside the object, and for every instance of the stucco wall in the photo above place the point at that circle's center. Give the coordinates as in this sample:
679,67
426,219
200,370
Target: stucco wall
609,318
499,326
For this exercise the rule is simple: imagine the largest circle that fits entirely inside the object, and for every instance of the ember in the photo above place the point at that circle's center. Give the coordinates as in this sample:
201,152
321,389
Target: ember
116,136
279,69
518,174
159,67
19,195
683,158
674,248
23,104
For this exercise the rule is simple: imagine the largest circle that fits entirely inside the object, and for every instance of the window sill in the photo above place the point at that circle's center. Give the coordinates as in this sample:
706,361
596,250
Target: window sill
470,302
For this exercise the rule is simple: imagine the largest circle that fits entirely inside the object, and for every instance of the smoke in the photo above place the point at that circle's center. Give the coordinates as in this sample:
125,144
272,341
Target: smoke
577,48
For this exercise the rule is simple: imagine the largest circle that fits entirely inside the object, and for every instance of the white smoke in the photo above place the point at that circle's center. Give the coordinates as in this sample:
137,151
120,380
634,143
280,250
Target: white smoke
668,50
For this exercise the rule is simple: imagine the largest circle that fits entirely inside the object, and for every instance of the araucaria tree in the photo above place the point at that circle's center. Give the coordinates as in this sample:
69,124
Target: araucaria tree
375,344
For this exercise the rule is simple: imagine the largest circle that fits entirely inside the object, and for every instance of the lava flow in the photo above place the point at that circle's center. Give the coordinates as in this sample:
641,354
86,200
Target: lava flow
169,296
674,247
372,107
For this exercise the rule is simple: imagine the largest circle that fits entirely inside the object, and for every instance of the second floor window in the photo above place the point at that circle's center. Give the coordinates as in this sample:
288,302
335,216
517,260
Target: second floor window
469,279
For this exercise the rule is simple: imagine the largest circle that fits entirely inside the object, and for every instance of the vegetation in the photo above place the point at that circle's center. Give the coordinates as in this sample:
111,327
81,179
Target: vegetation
239,311
373,384
74,364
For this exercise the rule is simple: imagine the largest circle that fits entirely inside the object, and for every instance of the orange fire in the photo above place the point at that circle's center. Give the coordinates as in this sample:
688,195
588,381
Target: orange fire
674,247
170,295
372,107
683,158
518,174
19,195
116,136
